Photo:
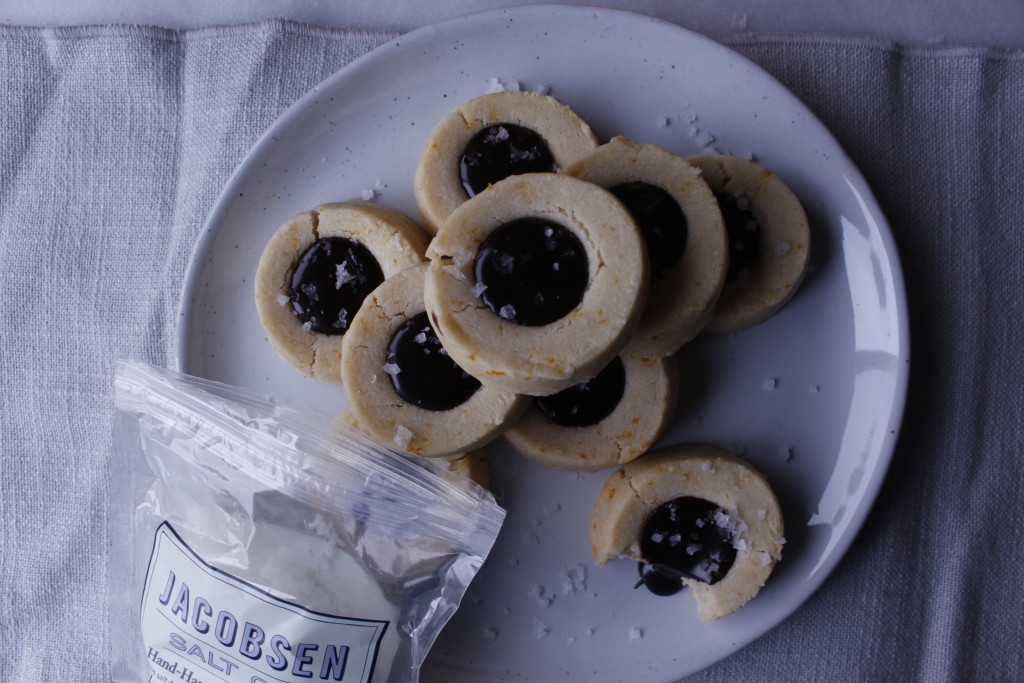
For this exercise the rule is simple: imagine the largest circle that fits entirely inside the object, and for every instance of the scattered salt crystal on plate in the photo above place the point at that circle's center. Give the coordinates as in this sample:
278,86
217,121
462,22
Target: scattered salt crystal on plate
574,580
392,368
543,597
282,299
494,85
636,633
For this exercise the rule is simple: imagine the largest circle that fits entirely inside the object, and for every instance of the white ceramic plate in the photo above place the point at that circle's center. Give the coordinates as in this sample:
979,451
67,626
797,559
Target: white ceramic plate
813,396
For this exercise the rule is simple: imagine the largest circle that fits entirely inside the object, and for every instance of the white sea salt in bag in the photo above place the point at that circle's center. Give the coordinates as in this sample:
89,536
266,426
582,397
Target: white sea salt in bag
264,541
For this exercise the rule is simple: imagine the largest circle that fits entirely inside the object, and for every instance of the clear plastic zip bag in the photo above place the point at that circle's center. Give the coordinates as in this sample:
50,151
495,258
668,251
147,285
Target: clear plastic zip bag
262,540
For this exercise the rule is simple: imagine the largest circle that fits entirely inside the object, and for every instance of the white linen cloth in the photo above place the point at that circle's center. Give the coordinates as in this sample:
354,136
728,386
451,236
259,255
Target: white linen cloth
115,142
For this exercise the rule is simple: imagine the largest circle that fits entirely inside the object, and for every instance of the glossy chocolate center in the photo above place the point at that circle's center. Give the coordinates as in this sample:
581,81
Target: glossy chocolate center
744,233
421,370
661,221
531,271
501,150
689,537
586,404
659,579
330,281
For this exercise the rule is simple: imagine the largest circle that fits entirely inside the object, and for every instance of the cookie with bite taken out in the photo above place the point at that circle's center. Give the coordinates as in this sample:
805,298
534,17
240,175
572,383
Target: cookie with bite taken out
693,516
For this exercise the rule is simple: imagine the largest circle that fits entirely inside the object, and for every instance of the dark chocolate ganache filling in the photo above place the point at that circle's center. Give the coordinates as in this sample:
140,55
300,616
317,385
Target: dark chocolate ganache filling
531,271
661,221
744,234
587,403
687,537
330,281
499,151
659,579
421,370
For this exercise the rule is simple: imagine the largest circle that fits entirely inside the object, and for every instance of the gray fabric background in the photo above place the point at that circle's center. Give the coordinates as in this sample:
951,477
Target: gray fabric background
115,141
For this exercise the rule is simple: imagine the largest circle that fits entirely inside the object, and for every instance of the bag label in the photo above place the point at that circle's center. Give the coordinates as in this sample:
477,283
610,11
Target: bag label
201,625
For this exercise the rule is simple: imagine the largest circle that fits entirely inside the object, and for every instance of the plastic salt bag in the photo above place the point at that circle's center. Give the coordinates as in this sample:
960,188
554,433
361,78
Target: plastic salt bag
264,541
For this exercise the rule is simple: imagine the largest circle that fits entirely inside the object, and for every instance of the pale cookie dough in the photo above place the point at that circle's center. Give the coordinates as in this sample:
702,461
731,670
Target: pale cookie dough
771,281
373,400
473,465
393,239
640,417
682,299
538,359
633,493
437,184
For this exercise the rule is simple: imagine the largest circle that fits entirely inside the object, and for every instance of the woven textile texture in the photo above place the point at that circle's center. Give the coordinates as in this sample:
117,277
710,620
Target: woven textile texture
115,142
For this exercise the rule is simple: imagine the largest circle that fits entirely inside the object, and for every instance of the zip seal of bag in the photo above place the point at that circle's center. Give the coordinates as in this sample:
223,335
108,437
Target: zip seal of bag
261,540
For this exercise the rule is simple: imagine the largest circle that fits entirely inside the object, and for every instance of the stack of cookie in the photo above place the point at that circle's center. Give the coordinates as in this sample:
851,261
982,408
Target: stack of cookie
545,298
